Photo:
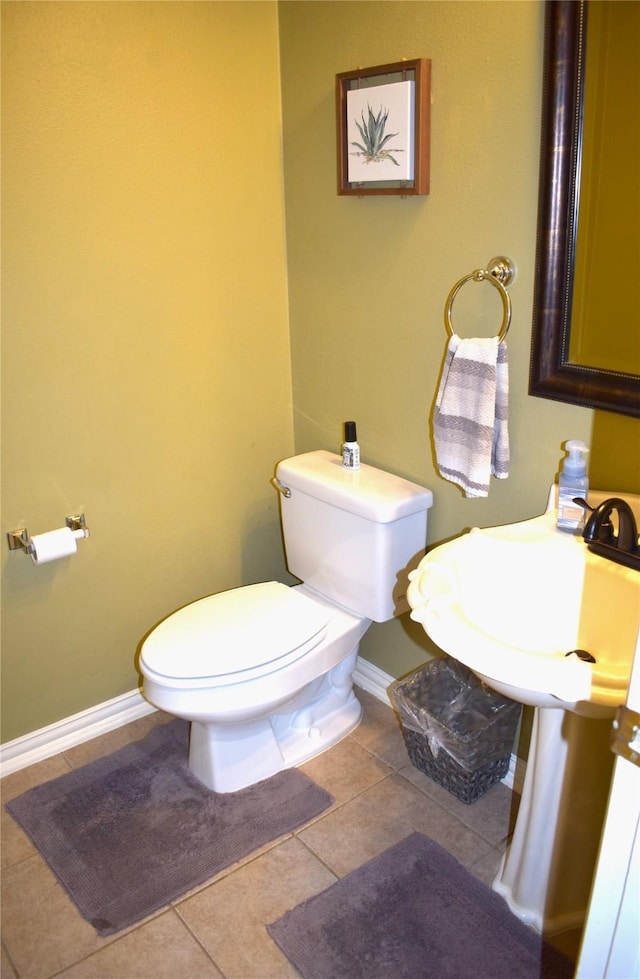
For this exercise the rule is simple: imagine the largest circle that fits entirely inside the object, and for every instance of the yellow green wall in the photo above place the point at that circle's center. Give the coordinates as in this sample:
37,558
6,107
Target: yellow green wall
147,369
146,346
368,278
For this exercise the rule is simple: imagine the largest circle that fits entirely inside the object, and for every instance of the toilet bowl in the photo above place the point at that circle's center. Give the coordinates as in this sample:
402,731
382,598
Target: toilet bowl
267,698
264,672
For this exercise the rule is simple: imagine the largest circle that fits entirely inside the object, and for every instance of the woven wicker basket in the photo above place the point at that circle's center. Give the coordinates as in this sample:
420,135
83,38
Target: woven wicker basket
482,749
466,786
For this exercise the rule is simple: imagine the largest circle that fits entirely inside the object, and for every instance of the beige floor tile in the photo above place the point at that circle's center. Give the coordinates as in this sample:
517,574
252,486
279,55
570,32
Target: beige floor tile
486,867
107,743
6,970
41,928
16,846
382,816
160,949
346,770
380,732
389,746
377,717
492,816
229,918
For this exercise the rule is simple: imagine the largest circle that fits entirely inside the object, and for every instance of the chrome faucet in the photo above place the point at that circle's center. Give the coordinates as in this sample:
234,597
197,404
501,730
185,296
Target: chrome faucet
602,538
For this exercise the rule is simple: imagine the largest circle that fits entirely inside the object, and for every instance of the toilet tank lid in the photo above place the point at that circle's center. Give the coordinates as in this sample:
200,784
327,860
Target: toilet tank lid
368,492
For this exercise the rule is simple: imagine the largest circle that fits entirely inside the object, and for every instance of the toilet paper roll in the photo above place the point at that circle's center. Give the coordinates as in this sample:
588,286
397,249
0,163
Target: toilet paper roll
53,545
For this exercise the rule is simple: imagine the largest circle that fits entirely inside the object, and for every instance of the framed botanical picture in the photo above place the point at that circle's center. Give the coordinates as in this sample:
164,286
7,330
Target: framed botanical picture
383,129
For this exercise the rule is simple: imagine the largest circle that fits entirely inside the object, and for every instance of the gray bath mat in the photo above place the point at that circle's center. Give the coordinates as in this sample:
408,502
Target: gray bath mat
129,833
411,913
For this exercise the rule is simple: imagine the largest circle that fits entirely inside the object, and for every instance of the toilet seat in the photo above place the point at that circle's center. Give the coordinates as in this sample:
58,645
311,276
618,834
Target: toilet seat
235,635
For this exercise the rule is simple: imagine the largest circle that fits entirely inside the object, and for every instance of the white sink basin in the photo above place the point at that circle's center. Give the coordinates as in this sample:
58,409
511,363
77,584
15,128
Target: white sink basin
510,602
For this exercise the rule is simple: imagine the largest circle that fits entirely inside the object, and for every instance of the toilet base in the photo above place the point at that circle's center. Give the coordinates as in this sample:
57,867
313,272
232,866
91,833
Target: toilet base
228,757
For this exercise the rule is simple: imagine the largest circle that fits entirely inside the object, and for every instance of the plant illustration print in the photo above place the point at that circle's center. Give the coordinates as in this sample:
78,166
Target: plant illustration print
378,137
374,147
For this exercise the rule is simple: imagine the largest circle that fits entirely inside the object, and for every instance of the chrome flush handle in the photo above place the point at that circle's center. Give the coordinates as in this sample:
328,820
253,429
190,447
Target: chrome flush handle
281,487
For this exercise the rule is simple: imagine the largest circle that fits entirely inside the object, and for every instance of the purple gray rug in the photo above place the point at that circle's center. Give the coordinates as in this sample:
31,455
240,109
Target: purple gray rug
413,913
129,833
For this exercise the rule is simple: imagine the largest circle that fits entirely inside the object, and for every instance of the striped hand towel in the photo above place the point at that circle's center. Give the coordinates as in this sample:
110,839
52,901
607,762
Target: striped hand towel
470,422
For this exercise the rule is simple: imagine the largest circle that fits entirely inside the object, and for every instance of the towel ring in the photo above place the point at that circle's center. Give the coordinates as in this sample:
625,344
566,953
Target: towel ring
499,274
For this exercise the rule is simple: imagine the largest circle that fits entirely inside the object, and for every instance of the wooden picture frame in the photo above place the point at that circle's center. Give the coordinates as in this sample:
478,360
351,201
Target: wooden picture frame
368,154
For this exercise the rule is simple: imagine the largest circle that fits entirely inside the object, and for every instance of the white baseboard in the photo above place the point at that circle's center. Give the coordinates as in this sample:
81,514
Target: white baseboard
372,679
71,731
112,714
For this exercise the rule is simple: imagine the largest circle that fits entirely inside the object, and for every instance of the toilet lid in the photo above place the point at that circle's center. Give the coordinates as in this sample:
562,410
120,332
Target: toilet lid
238,631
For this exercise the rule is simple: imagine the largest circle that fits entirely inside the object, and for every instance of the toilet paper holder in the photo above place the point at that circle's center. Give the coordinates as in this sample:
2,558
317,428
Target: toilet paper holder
19,539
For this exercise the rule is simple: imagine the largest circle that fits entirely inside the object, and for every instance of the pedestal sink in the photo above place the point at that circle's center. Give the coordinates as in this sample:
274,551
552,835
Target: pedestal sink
514,603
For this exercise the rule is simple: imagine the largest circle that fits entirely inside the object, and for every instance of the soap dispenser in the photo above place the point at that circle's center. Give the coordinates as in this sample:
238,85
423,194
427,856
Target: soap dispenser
572,482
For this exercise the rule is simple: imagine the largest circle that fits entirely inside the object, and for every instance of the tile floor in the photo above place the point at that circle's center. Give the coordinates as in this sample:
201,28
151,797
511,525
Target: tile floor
218,930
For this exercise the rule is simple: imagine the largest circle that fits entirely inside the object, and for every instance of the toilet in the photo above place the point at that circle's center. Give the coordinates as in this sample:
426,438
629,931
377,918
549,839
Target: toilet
264,672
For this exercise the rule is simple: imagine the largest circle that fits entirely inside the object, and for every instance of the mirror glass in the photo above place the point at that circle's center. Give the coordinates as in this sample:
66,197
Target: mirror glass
586,326
607,258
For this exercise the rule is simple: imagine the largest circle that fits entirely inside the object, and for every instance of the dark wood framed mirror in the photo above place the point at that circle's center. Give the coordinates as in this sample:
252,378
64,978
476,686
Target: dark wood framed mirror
554,373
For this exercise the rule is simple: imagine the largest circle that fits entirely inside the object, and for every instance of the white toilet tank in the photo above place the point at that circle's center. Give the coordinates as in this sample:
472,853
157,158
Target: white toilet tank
352,536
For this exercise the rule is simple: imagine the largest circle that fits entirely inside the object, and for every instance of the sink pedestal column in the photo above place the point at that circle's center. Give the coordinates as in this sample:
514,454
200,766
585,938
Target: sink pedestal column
546,873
